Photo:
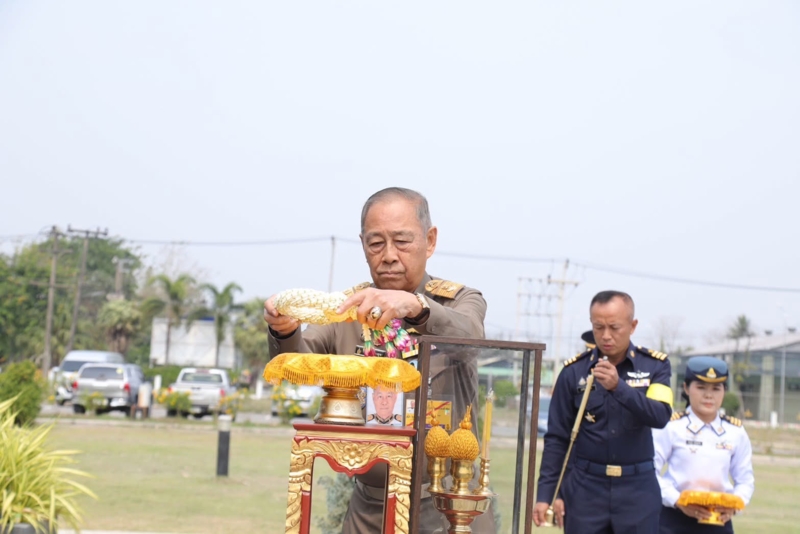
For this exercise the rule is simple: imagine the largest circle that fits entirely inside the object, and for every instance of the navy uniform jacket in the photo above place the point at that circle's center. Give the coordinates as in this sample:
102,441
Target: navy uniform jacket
616,427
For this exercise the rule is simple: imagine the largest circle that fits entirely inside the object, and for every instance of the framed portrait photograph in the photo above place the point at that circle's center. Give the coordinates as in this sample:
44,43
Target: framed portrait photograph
384,407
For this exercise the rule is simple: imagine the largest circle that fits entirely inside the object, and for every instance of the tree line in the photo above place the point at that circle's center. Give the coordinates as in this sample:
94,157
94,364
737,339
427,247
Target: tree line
118,300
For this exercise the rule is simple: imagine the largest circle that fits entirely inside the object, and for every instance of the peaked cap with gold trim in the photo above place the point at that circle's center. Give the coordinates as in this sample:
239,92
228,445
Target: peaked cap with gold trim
706,369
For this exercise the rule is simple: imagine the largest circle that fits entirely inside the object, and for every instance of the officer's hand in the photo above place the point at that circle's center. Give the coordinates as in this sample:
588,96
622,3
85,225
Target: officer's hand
692,510
559,512
280,324
393,304
540,513
725,514
605,373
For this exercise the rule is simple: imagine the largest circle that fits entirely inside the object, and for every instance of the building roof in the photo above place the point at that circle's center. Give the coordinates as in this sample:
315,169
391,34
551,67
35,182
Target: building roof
753,344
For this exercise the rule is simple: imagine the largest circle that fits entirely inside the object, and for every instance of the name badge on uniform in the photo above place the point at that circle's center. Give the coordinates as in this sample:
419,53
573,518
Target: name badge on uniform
638,382
694,442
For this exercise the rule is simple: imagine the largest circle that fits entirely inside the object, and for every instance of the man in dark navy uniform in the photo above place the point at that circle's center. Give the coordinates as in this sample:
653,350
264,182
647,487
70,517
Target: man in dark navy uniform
610,484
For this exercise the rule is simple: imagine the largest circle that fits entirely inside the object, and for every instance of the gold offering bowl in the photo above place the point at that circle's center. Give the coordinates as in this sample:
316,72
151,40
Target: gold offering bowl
341,376
712,501
340,406
461,510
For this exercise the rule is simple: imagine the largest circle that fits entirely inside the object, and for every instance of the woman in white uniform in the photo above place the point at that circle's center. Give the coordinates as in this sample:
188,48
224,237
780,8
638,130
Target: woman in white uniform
702,451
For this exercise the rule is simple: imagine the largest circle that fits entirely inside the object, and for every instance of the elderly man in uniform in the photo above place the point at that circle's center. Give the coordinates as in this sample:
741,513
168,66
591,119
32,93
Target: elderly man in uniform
610,484
397,238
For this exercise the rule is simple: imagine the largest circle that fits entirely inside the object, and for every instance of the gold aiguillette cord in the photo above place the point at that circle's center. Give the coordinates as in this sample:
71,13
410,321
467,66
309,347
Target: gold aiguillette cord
550,515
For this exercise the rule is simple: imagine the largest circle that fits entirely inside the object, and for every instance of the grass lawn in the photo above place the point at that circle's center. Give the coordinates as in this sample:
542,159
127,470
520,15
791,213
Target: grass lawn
162,479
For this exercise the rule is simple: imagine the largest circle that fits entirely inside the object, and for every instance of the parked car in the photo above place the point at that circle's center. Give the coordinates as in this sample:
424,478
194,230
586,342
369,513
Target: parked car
206,387
306,398
67,372
116,383
544,408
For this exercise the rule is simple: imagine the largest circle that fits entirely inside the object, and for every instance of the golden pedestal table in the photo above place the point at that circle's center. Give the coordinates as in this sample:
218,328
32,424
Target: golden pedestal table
351,450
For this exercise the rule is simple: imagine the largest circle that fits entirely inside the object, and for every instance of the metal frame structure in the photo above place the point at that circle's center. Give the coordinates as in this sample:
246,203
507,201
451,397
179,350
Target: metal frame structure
528,350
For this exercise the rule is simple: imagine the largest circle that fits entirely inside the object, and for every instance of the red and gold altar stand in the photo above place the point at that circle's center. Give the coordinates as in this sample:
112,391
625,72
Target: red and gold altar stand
351,450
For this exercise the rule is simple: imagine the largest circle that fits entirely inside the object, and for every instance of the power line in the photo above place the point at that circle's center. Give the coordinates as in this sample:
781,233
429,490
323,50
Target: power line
479,257
679,280
263,242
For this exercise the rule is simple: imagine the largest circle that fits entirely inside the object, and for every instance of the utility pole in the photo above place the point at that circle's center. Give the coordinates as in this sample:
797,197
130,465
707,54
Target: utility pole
86,235
525,292
562,283
121,263
51,296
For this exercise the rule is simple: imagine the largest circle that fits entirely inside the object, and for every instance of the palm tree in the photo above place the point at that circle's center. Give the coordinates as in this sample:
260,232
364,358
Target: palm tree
741,328
175,299
221,308
120,319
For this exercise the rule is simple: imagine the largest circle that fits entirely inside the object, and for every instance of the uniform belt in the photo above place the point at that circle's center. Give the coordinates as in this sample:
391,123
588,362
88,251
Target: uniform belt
613,470
373,491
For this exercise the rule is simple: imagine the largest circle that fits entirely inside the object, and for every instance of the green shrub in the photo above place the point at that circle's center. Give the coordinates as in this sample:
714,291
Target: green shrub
23,382
94,402
169,373
231,404
35,487
339,491
176,401
503,390
287,408
731,403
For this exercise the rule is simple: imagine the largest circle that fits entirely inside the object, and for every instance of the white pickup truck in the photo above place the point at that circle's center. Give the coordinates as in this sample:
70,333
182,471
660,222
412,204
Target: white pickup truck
206,387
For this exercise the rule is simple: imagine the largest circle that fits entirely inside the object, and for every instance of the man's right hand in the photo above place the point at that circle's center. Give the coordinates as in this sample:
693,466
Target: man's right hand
280,324
540,511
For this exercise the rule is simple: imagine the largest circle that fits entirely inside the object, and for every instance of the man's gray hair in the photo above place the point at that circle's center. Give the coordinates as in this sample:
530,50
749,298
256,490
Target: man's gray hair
391,193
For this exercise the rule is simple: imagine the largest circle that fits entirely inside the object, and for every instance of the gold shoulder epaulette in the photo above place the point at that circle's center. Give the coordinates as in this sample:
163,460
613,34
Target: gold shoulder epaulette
443,288
677,415
658,355
732,420
355,289
577,357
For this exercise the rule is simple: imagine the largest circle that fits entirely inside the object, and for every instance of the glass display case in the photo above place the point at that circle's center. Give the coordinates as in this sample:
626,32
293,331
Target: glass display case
457,374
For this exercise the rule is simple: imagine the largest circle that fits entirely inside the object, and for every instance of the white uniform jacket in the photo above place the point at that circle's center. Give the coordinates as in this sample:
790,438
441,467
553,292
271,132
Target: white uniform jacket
702,456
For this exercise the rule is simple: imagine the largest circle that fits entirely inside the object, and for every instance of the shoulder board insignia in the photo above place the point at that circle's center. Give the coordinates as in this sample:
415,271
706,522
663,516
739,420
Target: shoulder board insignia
732,420
677,415
355,289
658,355
443,288
577,357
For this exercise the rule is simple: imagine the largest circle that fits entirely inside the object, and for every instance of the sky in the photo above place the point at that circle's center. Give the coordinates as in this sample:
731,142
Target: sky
627,137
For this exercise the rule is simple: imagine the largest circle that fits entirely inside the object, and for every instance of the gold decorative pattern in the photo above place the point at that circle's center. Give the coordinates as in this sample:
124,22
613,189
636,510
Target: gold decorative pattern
314,307
443,288
342,371
677,415
353,453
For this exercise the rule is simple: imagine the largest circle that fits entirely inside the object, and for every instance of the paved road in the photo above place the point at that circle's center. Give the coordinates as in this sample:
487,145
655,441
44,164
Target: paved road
157,412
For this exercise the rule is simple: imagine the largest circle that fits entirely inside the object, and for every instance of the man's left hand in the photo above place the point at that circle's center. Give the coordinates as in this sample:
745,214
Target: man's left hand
392,303
605,373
